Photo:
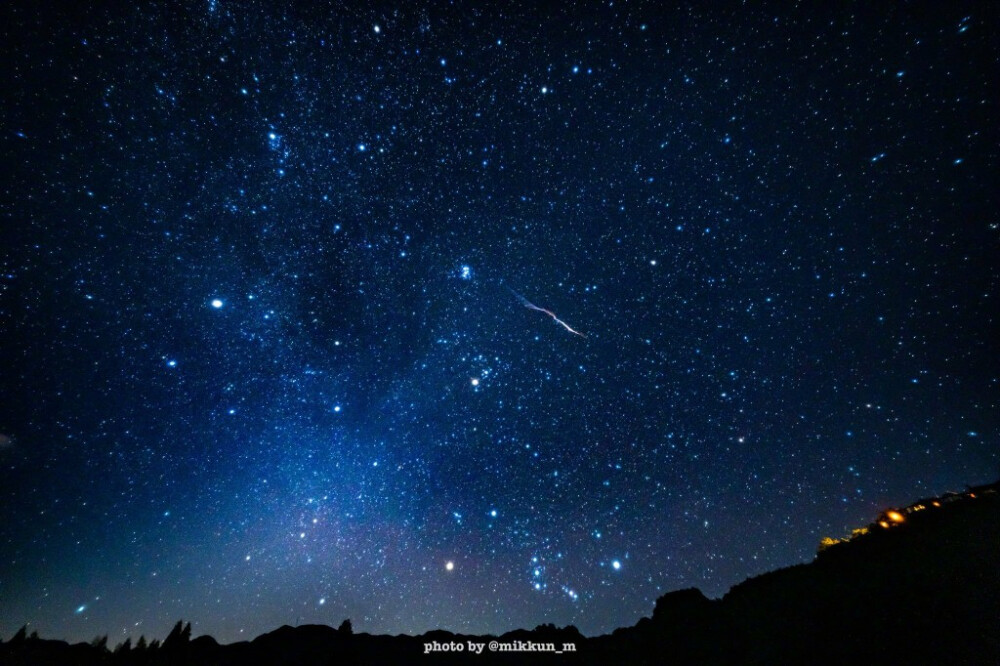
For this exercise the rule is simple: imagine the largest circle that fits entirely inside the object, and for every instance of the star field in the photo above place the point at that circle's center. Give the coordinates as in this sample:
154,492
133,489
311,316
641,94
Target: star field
266,350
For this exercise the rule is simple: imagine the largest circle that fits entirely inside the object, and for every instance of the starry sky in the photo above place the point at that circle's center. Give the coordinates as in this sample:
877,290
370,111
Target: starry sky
479,315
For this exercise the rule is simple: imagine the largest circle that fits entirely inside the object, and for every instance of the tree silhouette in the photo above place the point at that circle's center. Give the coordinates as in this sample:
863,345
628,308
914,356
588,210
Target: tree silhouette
346,628
179,636
125,647
19,636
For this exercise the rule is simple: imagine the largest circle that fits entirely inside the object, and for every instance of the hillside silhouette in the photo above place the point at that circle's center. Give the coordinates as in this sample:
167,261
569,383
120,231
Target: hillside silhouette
920,585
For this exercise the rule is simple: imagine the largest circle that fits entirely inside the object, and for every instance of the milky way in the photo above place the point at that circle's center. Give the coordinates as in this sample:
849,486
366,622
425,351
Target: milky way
258,360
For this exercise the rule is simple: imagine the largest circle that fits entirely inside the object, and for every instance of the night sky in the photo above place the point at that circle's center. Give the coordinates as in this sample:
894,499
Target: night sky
479,318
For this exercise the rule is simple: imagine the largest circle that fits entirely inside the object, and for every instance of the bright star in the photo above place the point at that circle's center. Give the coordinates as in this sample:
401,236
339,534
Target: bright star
449,565
616,565
216,303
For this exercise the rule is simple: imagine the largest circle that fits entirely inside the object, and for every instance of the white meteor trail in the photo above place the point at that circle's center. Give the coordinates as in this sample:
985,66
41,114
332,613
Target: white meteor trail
528,304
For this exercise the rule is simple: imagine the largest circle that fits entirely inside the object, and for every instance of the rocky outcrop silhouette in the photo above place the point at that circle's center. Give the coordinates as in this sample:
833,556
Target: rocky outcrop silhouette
921,585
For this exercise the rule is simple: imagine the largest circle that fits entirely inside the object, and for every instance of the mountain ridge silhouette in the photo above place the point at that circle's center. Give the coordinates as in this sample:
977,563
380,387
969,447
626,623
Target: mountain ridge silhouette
920,585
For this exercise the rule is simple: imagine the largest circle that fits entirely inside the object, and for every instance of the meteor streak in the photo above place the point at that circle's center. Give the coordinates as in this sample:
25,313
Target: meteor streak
531,306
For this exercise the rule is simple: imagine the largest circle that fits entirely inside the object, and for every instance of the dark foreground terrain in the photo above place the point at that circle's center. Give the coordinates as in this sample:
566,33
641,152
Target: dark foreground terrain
921,585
